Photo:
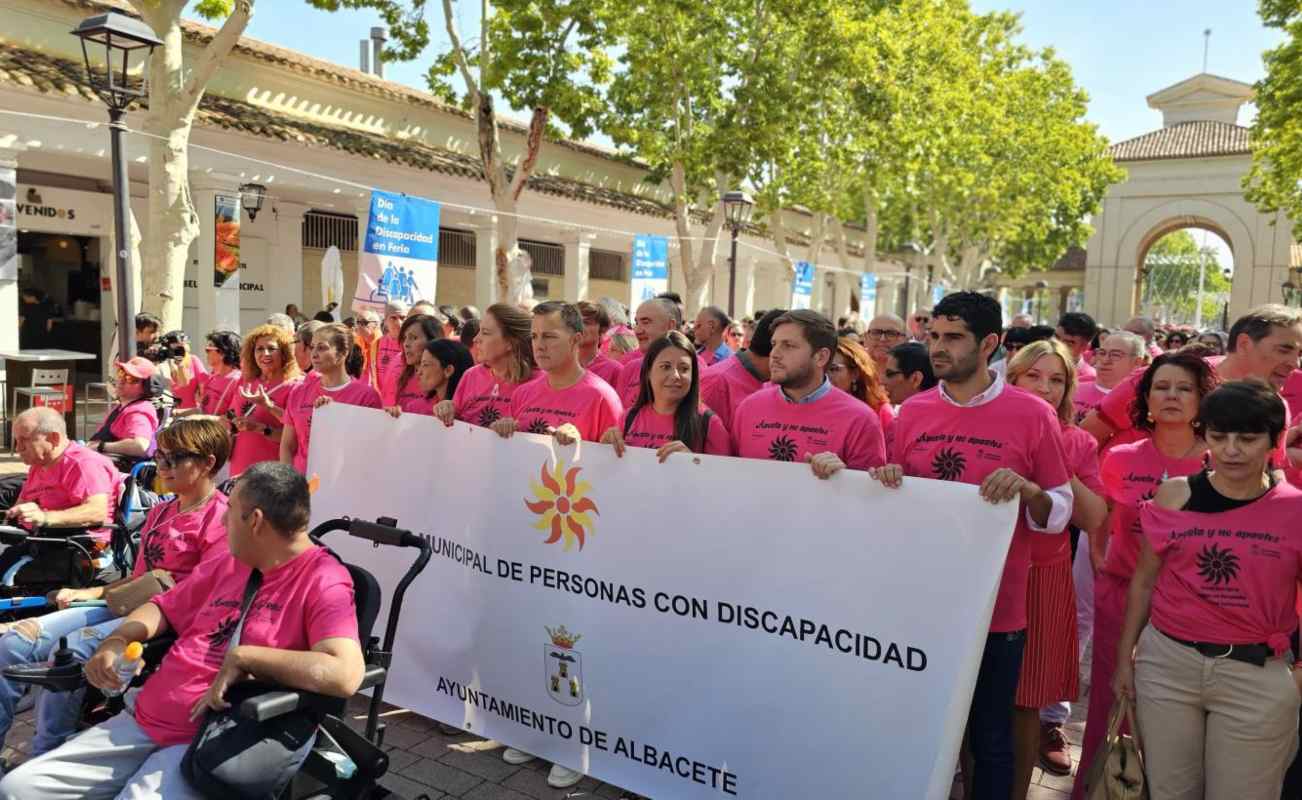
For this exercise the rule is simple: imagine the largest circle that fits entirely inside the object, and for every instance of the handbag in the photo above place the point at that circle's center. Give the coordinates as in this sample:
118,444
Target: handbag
233,758
124,598
1117,772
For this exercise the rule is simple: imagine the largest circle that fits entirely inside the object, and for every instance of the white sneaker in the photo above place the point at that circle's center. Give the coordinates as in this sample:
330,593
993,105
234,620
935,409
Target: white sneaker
563,777
517,757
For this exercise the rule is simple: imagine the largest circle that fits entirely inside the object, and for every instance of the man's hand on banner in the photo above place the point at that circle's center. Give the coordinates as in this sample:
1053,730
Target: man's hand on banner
615,438
825,465
889,475
566,434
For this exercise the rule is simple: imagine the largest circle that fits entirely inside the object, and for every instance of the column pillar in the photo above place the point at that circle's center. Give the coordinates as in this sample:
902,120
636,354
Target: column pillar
10,148
819,294
745,286
485,263
578,246
285,262
347,304
219,308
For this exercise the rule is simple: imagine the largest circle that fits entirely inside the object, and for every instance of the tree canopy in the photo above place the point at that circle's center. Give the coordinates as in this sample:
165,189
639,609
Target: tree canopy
1275,181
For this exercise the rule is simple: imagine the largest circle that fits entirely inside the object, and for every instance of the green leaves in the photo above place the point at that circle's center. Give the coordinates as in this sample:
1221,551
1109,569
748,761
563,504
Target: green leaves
1274,183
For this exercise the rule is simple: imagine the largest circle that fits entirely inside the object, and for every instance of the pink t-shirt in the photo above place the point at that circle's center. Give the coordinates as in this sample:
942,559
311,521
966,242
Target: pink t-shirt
217,391
1131,475
1292,391
411,398
185,394
589,405
652,429
75,477
1087,398
1229,577
934,438
299,408
254,446
300,604
1082,460
1085,370
768,425
139,419
178,542
1115,407
389,363
886,416
481,398
605,368
724,385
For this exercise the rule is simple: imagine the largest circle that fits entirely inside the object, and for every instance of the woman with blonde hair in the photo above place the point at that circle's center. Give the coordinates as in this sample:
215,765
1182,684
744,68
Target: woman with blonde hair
1050,676
268,370
505,349
854,372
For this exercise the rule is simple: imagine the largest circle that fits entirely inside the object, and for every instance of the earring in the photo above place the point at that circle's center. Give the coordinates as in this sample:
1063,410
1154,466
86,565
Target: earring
1150,417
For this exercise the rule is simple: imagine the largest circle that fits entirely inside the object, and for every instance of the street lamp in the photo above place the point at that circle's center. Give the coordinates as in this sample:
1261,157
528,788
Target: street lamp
251,195
121,37
737,208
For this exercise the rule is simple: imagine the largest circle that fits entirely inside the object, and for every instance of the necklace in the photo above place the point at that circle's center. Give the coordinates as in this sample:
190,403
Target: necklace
1167,461
199,504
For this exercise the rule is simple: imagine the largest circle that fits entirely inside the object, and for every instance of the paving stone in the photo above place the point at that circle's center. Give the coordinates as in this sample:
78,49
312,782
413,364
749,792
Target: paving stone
487,765
409,789
441,776
493,791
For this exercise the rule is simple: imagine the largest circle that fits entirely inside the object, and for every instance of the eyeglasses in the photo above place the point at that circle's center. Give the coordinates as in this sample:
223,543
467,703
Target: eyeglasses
1110,355
130,380
883,333
168,460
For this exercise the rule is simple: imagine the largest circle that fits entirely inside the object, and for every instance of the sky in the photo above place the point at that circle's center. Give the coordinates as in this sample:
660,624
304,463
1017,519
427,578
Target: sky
1120,51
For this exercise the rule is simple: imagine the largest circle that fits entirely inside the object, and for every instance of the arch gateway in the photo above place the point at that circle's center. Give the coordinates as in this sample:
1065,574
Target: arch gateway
1187,174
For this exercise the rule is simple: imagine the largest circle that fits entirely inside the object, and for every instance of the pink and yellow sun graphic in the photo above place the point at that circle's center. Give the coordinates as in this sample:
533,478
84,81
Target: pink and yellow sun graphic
563,505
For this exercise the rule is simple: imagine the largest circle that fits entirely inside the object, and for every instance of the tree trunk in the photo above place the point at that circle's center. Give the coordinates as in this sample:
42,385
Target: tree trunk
512,265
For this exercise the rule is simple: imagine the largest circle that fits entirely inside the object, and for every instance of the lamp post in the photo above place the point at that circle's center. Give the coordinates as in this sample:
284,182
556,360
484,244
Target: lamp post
1040,286
251,195
737,208
120,36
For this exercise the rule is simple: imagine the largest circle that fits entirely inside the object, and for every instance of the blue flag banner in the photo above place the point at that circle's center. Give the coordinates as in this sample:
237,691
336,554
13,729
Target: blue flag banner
937,293
400,255
868,294
650,273
802,289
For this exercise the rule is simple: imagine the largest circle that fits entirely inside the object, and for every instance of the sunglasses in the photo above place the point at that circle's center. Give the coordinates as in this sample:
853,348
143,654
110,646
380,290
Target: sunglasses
169,460
129,380
922,319
883,333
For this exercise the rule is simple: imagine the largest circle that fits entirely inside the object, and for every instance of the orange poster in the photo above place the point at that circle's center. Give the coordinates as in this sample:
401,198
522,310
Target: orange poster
226,224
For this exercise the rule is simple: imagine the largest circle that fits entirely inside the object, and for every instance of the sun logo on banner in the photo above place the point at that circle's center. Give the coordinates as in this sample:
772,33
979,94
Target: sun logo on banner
562,505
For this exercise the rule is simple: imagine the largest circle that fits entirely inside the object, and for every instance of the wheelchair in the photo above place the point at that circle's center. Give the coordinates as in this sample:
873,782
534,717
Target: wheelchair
72,557
344,764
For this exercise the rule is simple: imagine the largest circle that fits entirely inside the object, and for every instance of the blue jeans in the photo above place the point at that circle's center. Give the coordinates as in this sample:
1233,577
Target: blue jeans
57,713
990,721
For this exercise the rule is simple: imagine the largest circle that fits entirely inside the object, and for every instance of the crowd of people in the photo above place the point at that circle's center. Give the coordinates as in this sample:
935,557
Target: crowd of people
1156,475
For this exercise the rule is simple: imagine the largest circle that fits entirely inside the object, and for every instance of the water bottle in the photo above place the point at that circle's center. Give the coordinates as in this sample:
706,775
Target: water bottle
128,664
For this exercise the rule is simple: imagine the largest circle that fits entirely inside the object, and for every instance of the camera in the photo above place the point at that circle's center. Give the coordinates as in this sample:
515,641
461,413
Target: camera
169,346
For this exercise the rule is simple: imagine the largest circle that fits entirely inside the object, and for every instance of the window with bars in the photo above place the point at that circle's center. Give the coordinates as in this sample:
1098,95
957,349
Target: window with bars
321,229
457,248
548,258
606,265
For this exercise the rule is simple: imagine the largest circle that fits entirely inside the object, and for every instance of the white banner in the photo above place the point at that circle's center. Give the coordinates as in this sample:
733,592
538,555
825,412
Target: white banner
707,627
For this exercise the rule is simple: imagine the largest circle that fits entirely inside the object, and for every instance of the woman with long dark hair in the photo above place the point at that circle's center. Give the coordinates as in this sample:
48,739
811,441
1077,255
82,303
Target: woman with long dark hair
222,352
506,361
443,362
667,414
1165,410
407,394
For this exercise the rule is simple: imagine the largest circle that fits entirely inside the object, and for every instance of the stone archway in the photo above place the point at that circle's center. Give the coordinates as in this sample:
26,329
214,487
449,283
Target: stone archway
1171,217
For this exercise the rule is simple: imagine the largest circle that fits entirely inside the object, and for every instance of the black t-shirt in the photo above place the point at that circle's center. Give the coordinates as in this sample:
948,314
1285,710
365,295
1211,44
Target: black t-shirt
1204,499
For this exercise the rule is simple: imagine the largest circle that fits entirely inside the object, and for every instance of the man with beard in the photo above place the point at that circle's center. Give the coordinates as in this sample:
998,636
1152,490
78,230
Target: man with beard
973,428
801,416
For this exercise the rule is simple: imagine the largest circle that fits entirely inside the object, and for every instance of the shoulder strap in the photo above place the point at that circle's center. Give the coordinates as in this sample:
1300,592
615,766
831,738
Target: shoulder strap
250,589
628,420
103,432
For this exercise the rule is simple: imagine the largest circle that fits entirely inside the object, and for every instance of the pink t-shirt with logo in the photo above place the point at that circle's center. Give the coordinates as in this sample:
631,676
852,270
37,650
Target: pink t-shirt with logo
75,477
1082,460
177,542
1087,398
652,429
1229,577
299,605
767,425
217,391
411,398
1131,475
481,398
605,368
138,420
252,447
724,385
934,438
299,408
389,363
589,405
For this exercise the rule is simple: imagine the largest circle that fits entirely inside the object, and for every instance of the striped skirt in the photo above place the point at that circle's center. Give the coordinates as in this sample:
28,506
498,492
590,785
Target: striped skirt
1051,661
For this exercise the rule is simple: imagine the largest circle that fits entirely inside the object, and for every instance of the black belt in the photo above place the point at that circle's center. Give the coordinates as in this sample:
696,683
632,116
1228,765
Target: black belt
1255,654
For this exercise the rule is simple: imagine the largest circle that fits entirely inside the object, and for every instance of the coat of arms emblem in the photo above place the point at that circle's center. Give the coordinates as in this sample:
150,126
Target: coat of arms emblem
563,667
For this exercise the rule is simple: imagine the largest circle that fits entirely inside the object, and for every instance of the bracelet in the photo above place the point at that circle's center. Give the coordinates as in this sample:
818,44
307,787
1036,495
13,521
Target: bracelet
112,637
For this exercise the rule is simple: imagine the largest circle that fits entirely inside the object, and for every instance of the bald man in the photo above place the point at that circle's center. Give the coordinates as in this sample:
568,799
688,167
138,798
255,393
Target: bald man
884,332
654,318
67,485
1021,321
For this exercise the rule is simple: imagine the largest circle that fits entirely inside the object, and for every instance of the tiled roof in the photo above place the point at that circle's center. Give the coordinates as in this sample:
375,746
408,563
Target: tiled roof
52,75
1074,258
1198,139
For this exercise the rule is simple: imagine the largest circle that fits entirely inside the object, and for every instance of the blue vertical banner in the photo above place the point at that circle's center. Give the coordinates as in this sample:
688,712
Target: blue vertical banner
937,293
868,295
650,274
400,255
802,288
